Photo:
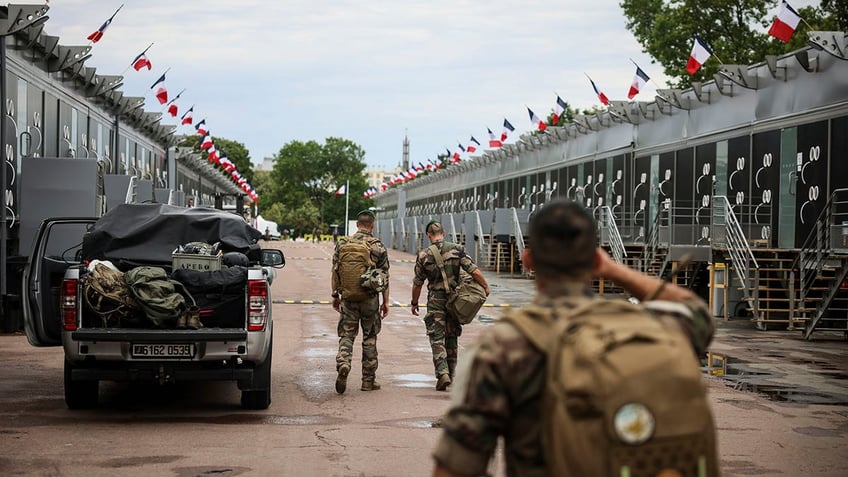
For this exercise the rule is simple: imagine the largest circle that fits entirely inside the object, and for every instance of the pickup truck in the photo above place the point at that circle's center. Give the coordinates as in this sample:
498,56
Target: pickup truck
236,346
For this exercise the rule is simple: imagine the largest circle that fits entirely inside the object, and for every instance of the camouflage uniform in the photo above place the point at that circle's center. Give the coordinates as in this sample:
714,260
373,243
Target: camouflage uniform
503,391
364,313
442,328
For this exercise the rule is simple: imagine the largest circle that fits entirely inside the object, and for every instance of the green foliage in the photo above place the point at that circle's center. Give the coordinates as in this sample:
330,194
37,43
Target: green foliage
234,150
736,30
306,176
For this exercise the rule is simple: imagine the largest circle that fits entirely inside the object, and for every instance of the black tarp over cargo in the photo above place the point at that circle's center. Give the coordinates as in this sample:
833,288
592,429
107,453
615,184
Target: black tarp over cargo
148,233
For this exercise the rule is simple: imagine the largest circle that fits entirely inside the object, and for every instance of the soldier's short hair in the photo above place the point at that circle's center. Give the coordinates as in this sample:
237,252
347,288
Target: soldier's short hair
562,239
365,219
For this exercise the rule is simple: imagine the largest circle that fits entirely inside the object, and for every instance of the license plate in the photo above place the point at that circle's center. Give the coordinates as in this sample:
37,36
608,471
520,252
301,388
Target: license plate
158,351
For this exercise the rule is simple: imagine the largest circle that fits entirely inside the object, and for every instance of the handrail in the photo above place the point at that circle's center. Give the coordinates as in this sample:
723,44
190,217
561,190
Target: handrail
517,232
741,256
479,229
653,240
608,229
815,251
453,229
130,197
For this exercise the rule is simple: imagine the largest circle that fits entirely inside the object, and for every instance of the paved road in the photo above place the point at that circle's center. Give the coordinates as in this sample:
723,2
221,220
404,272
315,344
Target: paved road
309,430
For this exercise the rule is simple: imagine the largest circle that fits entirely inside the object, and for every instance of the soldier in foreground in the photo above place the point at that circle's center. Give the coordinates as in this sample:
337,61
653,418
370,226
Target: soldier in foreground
623,393
358,305
442,328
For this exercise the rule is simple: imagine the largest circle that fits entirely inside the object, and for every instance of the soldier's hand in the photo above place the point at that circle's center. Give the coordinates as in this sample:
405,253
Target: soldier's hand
603,263
384,309
414,309
337,304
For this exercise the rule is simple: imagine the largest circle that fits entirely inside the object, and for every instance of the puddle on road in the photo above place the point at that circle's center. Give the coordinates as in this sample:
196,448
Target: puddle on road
413,380
746,376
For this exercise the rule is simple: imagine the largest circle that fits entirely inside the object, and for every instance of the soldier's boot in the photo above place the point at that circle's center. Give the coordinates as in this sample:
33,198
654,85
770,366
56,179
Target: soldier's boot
181,321
451,368
444,382
192,321
370,385
341,379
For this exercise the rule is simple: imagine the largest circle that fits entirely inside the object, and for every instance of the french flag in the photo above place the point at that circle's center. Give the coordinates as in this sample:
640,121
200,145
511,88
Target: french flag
639,81
140,62
186,118
507,128
560,108
342,190
471,145
536,121
98,34
700,54
786,22
173,110
419,167
493,140
206,142
160,90
601,95
201,128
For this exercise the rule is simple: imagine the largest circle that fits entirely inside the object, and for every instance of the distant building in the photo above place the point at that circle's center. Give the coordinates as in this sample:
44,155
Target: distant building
266,165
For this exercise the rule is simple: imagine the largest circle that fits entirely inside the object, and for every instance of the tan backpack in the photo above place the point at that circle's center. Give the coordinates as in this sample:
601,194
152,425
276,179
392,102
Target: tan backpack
623,392
354,262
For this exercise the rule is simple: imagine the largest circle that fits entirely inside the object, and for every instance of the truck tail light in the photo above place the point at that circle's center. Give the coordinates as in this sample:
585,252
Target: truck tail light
257,304
68,304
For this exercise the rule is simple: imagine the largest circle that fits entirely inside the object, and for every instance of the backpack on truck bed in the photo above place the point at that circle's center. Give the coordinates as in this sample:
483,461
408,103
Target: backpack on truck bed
358,277
107,295
162,299
623,392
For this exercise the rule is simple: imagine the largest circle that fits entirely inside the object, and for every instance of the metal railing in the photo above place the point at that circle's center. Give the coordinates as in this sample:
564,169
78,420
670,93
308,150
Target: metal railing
817,250
727,232
608,233
453,229
652,242
517,232
131,191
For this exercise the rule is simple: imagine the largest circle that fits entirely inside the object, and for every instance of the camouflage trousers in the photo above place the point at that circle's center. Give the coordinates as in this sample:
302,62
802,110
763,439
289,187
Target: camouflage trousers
365,314
443,331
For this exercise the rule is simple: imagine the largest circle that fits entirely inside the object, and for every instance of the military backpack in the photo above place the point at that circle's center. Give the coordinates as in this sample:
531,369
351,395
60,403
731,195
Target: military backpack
162,299
464,301
623,392
107,295
358,277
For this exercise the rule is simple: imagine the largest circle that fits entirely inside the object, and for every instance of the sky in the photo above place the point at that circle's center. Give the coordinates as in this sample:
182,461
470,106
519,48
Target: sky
265,72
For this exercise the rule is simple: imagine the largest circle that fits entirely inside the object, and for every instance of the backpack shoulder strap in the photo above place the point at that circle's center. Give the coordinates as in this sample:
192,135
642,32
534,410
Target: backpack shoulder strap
535,323
441,263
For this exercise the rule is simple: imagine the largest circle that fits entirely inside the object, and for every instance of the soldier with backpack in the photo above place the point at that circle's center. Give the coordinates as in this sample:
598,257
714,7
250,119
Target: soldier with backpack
442,274
360,274
583,386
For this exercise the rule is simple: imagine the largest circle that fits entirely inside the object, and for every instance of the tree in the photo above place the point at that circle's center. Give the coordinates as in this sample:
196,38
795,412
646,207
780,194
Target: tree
309,173
736,30
234,150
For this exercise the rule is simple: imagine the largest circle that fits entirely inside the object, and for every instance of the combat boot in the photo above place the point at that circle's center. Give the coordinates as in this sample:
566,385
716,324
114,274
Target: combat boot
444,382
181,321
341,379
370,385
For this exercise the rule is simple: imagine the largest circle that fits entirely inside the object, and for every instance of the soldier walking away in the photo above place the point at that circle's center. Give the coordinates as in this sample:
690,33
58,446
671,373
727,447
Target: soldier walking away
359,306
442,328
597,411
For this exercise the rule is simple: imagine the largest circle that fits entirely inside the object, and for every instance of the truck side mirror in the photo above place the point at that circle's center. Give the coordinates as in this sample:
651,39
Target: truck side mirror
273,258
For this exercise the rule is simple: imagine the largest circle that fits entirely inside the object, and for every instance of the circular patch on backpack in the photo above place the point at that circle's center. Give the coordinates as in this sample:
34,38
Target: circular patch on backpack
634,423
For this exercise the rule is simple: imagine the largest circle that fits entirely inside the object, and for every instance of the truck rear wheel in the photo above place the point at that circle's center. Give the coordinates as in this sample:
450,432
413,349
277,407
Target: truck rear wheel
79,394
259,396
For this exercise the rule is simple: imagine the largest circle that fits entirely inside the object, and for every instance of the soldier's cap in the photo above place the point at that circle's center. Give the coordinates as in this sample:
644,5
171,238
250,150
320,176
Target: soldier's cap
431,222
367,212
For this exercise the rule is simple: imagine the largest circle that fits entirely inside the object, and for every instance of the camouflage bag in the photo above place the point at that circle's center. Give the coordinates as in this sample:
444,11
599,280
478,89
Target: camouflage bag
162,299
464,301
107,295
623,392
354,267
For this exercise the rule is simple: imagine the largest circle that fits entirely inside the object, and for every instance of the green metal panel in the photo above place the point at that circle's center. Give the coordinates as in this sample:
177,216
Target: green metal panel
788,176
721,169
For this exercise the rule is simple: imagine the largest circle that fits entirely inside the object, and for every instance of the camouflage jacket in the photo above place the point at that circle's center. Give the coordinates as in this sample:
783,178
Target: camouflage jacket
455,259
498,391
379,255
